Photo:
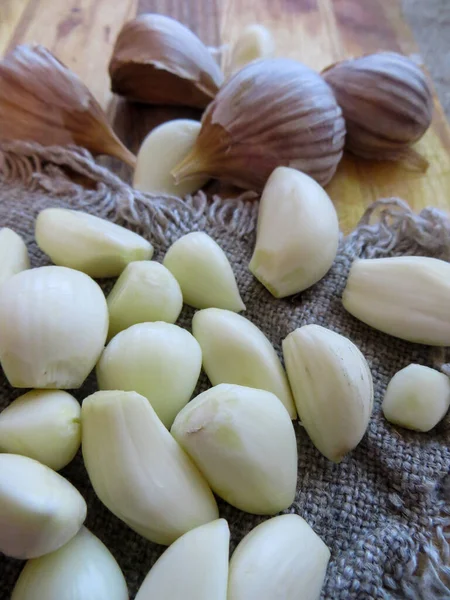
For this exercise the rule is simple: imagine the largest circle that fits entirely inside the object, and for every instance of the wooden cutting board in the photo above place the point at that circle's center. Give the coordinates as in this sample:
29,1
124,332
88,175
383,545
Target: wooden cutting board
318,32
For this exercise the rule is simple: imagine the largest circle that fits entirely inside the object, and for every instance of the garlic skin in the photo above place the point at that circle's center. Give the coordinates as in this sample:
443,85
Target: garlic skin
236,351
13,254
44,425
97,247
54,323
280,558
40,511
297,235
225,432
254,42
159,360
334,409
417,398
139,471
195,567
204,272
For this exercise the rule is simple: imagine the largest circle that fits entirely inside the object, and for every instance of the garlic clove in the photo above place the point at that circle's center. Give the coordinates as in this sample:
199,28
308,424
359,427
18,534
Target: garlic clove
254,42
83,569
195,567
236,351
225,432
158,60
417,398
54,323
95,246
159,360
40,511
13,254
334,409
203,272
297,235
139,471
281,558
44,425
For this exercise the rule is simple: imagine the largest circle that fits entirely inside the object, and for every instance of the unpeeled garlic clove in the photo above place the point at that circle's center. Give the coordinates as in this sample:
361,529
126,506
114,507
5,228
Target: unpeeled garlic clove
204,273
254,42
332,386
297,235
13,254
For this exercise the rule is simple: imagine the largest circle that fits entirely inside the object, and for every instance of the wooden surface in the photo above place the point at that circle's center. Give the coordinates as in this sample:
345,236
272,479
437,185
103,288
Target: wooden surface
318,32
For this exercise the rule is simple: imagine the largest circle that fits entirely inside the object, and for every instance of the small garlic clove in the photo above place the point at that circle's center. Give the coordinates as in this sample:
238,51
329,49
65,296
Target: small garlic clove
95,246
195,567
281,558
417,398
334,409
139,471
13,254
236,351
297,235
44,425
253,43
203,272
40,511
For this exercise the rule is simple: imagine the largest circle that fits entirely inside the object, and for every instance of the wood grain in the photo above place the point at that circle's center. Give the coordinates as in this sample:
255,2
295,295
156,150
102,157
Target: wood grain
11,12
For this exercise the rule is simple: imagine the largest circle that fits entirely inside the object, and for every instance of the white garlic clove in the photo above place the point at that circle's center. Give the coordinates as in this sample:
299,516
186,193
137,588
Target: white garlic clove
281,558
332,386
13,254
203,272
139,471
236,351
253,43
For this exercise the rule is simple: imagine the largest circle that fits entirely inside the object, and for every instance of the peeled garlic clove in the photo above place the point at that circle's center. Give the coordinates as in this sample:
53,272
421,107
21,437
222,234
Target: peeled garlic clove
53,324
139,471
13,254
160,61
158,360
195,567
281,558
243,441
253,43
236,351
44,425
40,511
332,387
203,272
297,236
97,247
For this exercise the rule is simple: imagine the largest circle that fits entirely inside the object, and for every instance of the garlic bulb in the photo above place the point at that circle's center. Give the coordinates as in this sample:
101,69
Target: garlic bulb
160,61
139,471
243,442
44,425
203,272
13,254
281,558
417,398
39,510
158,360
99,248
236,351
253,43
332,387
274,112
195,567
54,323
297,236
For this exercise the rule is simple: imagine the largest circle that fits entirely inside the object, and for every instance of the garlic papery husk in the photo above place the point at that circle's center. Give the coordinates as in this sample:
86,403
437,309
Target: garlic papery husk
204,273
195,567
253,43
243,441
236,351
405,296
39,510
281,558
297,235
160,61
159,360
99,248
274,112
44,425
83,569
332,386
13,254
387,104
417,398
139,471
53,324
